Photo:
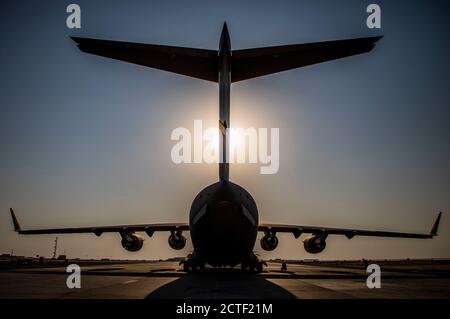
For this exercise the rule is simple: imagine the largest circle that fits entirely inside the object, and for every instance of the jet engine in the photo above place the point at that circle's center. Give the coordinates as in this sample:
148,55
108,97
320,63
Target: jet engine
177,241
315,244
269,242
131,241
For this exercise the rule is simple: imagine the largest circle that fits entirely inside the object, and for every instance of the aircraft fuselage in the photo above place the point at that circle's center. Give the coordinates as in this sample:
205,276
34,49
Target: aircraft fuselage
223,223
223,219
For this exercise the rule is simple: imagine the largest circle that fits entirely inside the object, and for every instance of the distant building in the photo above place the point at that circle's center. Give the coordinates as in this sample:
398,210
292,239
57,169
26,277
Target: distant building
311,260
175,259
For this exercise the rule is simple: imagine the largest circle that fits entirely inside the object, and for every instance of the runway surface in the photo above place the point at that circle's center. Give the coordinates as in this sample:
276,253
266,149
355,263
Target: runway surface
165,280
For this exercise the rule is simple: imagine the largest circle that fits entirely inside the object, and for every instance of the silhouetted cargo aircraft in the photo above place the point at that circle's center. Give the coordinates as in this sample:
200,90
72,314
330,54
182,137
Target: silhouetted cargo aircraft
223,220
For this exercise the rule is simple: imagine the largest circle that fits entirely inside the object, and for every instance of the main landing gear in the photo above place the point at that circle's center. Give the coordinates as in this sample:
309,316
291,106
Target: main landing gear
192,264
253,264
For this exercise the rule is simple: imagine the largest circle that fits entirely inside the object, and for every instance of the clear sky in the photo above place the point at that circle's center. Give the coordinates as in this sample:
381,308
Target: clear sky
364,142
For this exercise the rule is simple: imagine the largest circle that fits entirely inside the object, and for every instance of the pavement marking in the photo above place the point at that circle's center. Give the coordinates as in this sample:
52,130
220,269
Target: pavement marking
130,281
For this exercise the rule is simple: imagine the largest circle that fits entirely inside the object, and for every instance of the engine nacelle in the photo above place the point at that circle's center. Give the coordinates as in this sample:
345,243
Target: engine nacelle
177,241
132,241
269,242
315,244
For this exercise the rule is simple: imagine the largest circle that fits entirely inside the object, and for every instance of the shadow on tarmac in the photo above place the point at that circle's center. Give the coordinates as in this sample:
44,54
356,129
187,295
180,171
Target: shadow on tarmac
221,283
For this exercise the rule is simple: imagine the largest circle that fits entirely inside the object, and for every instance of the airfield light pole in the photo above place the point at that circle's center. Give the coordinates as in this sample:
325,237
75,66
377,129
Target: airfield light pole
55,247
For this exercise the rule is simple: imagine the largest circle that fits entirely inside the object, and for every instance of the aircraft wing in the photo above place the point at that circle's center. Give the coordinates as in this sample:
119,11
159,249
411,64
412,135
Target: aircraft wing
349,233
252,63
197,63
98,230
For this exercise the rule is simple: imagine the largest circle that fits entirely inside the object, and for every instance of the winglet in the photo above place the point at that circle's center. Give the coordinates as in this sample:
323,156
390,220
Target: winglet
436,225
17,227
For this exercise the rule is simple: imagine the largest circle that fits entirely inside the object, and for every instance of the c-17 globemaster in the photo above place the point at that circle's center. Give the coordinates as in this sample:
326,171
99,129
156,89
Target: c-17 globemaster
223,220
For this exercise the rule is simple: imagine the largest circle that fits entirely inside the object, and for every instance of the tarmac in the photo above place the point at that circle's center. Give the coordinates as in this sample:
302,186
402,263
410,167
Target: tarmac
166,280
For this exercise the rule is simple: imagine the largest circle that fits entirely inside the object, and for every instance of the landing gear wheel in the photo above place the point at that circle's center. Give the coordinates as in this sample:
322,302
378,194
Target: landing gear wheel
259,268
253,265
191,264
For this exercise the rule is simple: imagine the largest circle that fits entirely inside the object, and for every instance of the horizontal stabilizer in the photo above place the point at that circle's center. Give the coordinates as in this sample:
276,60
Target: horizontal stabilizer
197,63
252,63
